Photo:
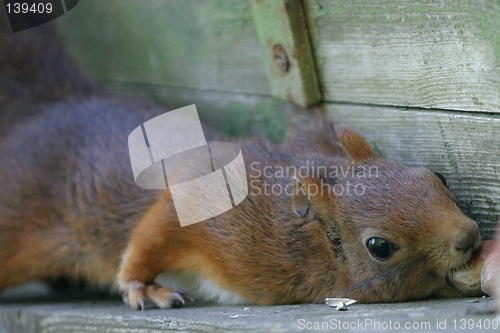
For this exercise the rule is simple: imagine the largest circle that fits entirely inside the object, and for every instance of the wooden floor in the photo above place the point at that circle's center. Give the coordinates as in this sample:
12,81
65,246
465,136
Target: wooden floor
33,309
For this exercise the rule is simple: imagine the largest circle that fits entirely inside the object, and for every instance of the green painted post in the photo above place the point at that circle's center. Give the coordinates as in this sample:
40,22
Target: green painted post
284,40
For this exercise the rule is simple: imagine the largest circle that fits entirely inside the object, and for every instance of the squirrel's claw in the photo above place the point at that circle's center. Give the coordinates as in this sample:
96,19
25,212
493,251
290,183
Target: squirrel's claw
135,293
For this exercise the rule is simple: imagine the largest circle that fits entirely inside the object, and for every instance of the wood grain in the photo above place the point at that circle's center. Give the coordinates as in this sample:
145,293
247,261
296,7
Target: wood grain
101,316
443,55
464,147
190,43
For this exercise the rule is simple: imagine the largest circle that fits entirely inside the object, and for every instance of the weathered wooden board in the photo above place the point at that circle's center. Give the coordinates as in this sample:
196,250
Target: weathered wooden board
429,54
190,43
115,317
464,147
442,55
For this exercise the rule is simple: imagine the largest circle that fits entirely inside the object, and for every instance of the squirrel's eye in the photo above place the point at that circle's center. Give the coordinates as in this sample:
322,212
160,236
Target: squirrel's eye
380,249
441,178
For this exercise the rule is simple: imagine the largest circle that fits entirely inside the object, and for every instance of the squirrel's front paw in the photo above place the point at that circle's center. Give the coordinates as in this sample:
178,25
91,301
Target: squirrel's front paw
135,293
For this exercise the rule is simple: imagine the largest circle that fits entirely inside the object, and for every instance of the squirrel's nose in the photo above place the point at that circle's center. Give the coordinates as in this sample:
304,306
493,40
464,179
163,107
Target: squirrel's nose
469,240
464,248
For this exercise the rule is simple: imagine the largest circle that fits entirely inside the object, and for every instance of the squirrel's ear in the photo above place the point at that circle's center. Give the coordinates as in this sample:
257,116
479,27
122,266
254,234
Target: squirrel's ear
354,144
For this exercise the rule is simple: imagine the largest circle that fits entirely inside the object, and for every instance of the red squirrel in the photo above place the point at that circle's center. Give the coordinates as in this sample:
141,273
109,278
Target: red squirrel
69,205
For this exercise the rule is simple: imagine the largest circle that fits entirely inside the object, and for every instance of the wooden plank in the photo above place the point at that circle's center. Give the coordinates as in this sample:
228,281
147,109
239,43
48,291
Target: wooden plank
430,54
114,317
190,43
464,147
284,40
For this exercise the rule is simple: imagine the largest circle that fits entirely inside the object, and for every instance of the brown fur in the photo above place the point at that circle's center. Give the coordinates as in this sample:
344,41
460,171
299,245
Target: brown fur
69,207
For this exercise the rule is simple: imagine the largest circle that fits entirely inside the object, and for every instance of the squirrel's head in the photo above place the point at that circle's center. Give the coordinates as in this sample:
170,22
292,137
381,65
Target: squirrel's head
396,230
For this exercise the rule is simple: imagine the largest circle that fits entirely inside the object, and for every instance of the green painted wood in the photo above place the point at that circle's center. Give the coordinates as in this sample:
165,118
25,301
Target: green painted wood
237,115
284,40
464,147
190,43
429,54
